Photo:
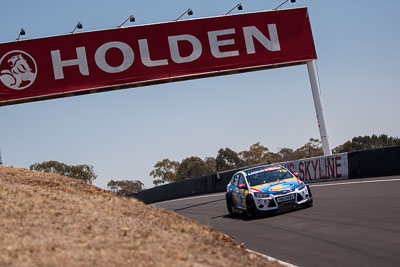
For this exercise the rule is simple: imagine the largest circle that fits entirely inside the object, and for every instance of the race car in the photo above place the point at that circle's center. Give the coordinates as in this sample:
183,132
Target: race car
266,188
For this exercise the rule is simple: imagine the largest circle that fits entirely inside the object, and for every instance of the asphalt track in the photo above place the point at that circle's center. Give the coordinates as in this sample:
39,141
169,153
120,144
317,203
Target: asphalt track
353,222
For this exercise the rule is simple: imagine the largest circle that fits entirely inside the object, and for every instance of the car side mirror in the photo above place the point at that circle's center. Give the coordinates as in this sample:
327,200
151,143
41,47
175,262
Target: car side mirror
296,174
242,186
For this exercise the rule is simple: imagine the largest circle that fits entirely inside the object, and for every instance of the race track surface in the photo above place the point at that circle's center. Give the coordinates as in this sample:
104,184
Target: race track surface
352,223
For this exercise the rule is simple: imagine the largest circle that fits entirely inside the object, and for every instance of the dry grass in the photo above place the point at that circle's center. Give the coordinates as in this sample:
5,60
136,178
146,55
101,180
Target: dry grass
51,220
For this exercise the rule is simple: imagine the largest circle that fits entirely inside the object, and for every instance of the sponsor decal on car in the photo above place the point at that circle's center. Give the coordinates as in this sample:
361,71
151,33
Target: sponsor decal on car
281,187
263,170
235,199
277,186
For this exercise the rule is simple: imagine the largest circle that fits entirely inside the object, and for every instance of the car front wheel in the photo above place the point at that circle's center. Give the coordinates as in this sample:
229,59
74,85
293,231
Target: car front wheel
251,207
229,205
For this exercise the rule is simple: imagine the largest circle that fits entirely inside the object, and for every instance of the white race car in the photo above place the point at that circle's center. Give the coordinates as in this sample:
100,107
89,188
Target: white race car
266,188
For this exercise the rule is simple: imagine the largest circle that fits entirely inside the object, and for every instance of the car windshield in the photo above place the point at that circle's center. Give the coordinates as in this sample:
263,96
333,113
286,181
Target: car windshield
267,175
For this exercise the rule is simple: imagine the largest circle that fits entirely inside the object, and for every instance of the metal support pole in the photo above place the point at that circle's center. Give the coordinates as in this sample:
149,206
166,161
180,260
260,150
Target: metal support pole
312,73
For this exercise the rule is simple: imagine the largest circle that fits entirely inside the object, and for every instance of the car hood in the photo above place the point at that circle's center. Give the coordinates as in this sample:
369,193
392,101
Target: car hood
277,187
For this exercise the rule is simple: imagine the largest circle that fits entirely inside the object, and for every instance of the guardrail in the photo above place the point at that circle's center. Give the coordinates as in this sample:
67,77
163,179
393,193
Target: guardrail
360,164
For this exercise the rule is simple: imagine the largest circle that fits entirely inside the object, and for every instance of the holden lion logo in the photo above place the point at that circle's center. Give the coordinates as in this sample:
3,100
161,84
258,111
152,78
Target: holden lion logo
17,70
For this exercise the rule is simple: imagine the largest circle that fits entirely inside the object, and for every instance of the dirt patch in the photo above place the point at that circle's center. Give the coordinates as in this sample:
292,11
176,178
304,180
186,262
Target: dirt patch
51,220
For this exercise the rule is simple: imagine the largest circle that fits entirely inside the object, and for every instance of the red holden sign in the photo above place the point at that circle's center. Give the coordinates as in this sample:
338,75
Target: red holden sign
127,57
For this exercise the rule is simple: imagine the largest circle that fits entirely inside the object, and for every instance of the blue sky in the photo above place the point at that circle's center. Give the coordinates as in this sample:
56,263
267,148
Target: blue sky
124,133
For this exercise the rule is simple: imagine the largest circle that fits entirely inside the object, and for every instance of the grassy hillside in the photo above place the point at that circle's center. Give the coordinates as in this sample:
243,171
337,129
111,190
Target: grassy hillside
51,220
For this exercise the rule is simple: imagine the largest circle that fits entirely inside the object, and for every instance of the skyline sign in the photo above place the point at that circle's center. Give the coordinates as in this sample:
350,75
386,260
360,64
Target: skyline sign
98,61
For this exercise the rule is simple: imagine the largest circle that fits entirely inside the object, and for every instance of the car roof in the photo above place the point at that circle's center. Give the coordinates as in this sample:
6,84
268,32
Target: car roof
261,167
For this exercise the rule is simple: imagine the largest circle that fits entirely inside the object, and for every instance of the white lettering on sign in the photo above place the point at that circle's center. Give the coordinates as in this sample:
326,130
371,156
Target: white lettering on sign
320,168
174,48
100,57
59,64
215,44
145,55
252,32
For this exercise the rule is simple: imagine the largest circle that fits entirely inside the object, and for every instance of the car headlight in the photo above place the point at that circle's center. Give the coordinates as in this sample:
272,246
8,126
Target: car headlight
301,186
261,195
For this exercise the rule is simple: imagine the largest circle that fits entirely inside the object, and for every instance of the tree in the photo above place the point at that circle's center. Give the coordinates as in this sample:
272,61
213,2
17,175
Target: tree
313,148
192,167
227,159
211,163
285,154
125,187
164,171
83,172
367,142
171,171
256,154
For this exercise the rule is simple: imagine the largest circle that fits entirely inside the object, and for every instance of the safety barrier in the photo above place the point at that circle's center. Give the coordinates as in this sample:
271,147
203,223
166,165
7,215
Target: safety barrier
374,162
360,164
189,187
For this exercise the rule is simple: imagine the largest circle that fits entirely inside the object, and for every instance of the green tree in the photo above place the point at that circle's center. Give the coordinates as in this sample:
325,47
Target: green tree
164,171
227,159
313,148
83,172
211,163
256,154
125,187
285,154
192,167
367,142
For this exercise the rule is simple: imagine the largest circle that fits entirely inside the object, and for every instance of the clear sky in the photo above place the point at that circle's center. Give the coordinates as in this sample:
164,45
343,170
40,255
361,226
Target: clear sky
124,133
